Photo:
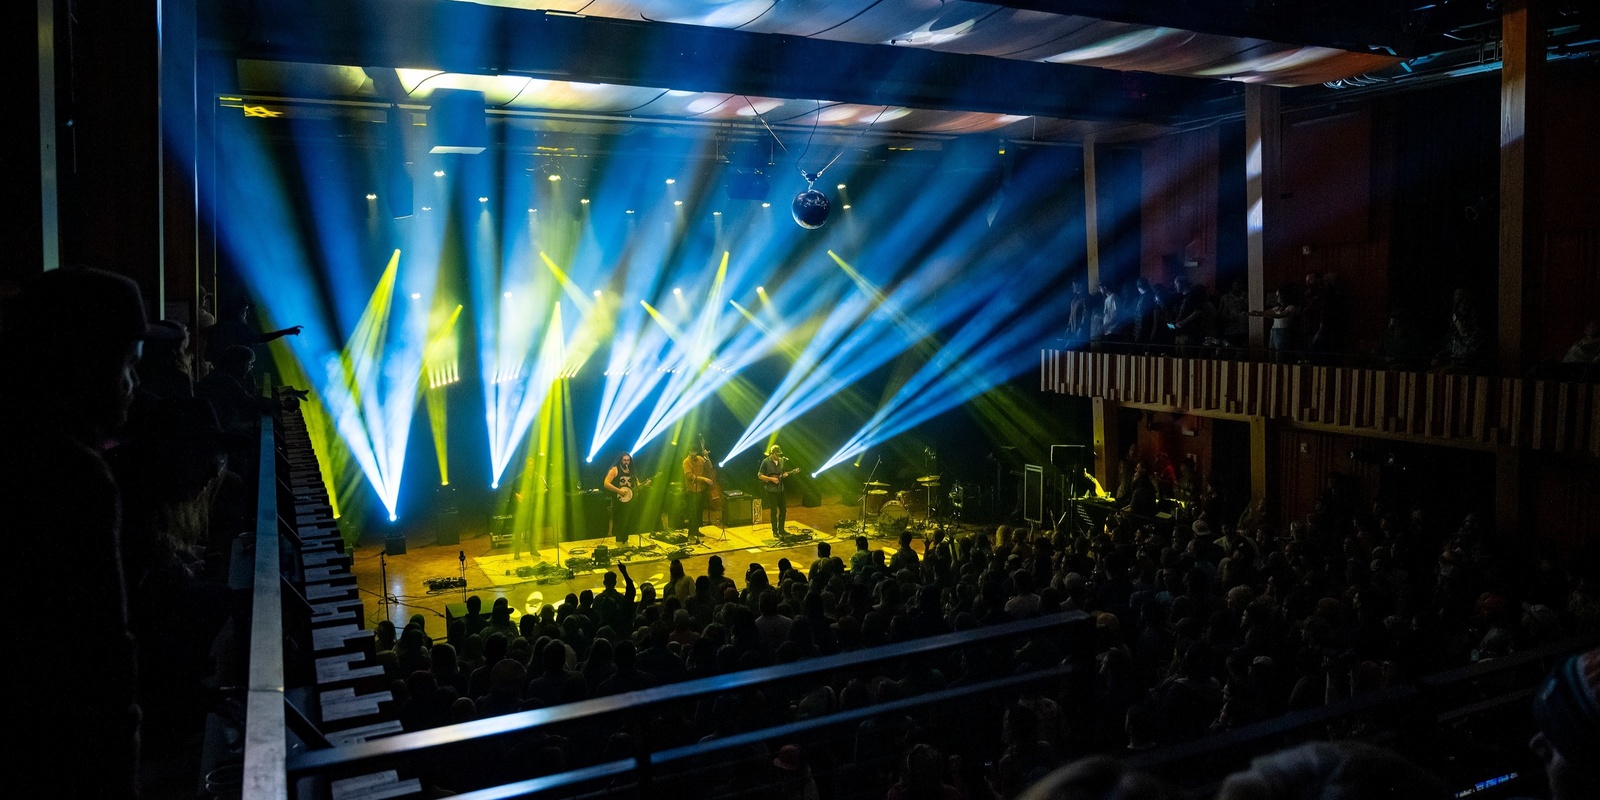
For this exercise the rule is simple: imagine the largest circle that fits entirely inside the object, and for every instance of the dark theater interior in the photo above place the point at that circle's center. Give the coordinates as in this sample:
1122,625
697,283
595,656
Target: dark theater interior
803,399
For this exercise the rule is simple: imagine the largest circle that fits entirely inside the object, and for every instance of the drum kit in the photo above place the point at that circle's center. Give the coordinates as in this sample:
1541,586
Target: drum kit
915,507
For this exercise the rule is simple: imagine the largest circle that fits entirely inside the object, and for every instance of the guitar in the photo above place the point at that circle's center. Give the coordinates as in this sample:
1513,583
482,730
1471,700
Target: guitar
625,494
777,478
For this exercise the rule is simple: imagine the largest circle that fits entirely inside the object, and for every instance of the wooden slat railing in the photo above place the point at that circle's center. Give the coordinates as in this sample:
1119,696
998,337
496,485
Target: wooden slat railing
1481,411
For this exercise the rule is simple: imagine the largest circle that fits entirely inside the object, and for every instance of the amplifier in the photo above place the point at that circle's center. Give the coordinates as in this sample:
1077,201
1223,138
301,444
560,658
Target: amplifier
738,508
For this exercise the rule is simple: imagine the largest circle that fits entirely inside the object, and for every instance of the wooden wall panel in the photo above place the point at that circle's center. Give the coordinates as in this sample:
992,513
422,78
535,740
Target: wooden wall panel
1566,503
1478,411
1303,461
1179,206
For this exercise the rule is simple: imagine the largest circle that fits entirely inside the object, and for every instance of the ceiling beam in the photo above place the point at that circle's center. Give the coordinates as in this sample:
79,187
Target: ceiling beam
471,38
1362,26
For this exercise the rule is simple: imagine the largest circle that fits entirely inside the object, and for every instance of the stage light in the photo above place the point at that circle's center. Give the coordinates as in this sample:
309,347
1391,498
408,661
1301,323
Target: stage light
416,295
554,177
630,211
392,517
532,210
584,201
716,213
483,199
677,291
766,205
671,181
507,295
847,206
427,208
761,290
371,196
677,202
597,293
438,173
840,187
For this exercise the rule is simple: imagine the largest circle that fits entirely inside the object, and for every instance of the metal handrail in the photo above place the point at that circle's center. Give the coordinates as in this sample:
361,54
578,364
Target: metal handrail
408,745
266,743
1418,696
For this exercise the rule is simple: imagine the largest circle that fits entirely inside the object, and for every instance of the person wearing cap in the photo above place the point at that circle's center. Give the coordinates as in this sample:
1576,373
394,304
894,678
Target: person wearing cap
68,355
773,472
793,779
1567,710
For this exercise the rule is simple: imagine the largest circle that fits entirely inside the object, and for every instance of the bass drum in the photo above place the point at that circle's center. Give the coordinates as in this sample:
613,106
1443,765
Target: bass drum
892,513
875,500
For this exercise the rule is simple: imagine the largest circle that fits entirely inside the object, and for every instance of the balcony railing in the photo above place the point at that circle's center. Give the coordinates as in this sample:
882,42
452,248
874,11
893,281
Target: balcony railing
1478,411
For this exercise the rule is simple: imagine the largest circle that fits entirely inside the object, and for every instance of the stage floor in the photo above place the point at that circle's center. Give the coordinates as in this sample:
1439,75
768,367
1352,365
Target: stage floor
492,571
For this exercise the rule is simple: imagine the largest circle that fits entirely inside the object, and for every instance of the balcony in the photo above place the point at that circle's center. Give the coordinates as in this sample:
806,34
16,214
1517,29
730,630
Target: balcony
1474,411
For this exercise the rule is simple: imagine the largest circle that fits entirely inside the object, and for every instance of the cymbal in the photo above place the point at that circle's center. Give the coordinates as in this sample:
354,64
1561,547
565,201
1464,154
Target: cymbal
877,483
877,491
931,480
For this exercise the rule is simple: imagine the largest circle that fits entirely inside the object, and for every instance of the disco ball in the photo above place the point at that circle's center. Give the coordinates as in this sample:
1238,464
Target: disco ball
810,209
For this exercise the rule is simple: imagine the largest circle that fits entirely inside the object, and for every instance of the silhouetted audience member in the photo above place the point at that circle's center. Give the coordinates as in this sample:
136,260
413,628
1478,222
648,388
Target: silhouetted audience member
232,391
234,329
1099,778
166,368
1466,343
68,356
1347,770
1567,709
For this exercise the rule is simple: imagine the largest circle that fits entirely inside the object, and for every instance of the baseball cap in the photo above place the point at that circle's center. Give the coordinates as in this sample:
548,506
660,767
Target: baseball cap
76,307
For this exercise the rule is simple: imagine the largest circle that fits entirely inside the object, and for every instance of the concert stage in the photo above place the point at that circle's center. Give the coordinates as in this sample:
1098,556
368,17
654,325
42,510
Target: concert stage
491,570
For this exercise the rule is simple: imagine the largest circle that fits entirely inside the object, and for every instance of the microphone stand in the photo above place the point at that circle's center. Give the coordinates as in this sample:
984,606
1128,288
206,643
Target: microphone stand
461,556
383,577
865,488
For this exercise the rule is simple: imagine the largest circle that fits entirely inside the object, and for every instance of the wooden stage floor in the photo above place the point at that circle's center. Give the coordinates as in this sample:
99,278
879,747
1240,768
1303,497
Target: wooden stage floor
491,571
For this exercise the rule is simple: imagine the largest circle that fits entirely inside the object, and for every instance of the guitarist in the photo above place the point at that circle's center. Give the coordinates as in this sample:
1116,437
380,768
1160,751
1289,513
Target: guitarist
773,472
620,483
696,485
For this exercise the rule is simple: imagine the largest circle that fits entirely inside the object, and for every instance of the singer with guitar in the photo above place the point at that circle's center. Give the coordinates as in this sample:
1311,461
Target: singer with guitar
621,484
774,469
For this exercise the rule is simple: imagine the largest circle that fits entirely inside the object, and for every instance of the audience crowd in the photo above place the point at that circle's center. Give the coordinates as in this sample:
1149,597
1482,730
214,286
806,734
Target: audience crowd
126,480
1201,625
1304,323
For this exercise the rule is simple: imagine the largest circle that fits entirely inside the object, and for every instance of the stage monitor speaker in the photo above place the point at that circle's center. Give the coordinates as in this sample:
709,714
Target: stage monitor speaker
394,544
738,509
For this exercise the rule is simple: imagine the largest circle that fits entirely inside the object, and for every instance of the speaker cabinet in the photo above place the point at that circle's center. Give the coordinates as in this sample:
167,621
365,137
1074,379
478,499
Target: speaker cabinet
738,509
394,544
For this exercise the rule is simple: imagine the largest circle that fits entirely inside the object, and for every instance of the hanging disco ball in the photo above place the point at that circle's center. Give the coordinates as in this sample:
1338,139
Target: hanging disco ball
810,209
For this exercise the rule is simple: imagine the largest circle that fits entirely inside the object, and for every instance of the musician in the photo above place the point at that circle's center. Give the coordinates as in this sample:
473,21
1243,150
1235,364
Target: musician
774,470
696,486
619,482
